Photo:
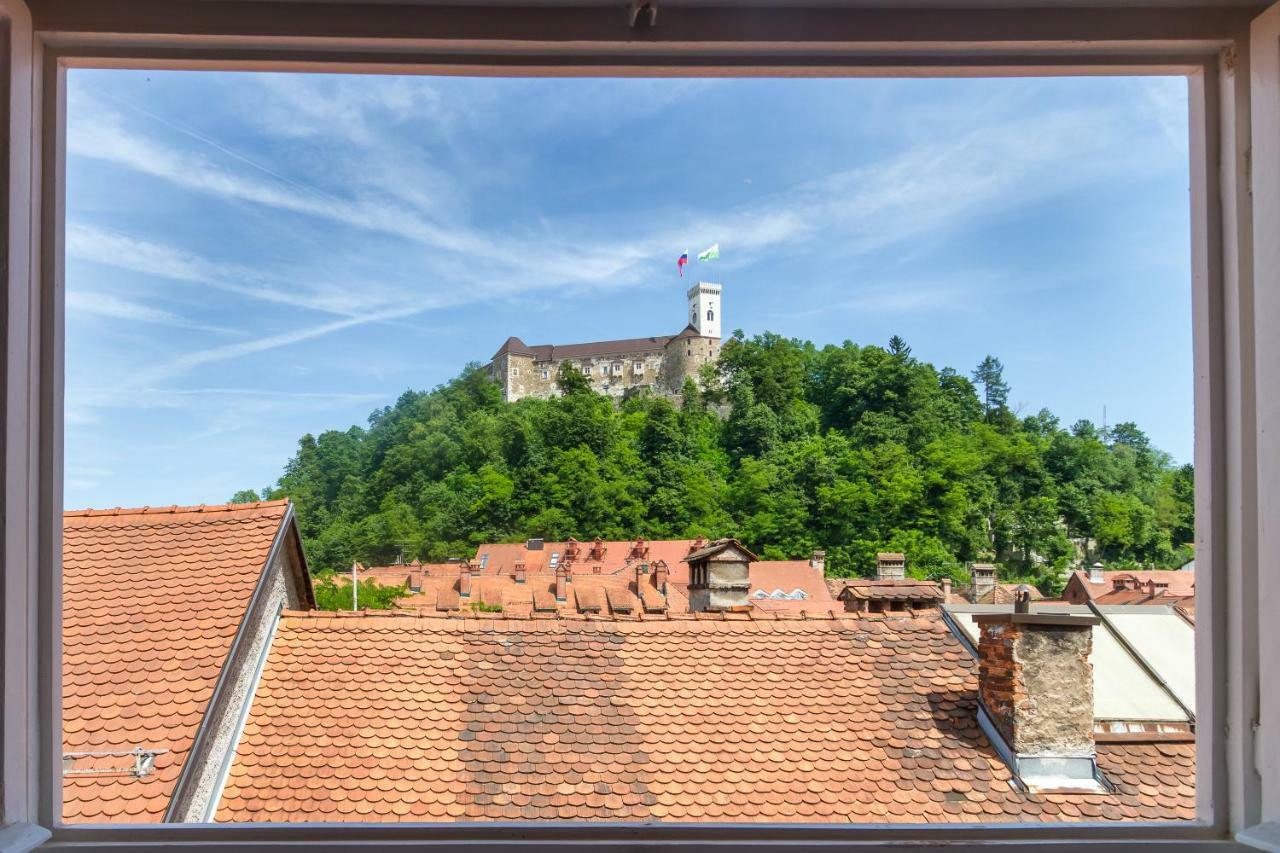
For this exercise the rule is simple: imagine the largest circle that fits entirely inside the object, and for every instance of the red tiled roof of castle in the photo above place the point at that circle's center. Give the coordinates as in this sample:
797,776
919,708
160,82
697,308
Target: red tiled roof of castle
151,600
551,352
399,717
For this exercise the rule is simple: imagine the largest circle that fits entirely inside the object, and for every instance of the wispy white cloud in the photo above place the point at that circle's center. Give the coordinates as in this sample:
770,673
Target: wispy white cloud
150,257
113,307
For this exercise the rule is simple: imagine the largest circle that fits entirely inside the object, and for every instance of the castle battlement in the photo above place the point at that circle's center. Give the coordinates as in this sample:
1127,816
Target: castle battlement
657,364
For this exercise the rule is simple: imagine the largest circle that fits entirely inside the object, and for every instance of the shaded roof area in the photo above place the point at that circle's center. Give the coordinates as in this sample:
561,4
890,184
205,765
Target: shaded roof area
1135,649
398,717
151,601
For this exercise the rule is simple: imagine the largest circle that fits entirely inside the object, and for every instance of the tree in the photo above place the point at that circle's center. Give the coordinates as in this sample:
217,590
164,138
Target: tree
245,496
995,392
570,380
334,594
848,448
898,347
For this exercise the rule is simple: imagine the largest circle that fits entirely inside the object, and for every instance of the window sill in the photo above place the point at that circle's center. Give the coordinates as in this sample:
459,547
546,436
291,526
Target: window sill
21,837
1262,836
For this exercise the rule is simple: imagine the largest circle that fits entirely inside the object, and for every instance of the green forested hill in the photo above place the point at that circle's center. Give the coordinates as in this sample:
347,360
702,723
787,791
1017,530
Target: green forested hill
851,449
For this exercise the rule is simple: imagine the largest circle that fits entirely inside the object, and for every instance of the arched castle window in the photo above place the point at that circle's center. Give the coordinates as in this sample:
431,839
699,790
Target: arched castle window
711,315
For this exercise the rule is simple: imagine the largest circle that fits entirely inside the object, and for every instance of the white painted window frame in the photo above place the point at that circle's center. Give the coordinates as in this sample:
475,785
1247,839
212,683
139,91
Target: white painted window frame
1237,462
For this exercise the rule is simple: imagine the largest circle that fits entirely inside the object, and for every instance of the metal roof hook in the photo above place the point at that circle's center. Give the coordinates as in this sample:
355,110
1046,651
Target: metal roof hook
642,13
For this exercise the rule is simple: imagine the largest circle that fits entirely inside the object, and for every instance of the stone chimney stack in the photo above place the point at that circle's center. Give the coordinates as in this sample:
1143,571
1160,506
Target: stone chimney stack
720,576
642,575
660,574
520,576
891,566
464,579
1035,682
946,590
562,581
982,580
818,562
1095,574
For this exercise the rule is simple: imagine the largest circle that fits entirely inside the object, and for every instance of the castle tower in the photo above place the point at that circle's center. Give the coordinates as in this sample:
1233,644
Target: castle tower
704,309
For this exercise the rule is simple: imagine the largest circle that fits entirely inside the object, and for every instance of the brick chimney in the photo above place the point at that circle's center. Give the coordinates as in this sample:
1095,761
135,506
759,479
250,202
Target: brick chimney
464,579
562,581
597,550
1095,574
639,550
571,550
660,575
1035,682
519,571
982,580
891,566
818,562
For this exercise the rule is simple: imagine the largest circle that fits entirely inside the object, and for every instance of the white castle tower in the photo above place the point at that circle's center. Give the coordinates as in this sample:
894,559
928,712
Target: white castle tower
704,309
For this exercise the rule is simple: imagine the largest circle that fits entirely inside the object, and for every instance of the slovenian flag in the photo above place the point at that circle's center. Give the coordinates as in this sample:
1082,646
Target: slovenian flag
681,262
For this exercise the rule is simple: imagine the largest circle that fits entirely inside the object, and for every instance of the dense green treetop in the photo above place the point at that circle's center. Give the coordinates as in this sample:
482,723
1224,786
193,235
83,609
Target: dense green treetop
791,448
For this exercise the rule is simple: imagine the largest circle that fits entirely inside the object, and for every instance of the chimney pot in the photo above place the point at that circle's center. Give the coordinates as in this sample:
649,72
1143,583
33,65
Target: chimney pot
982,580
464,579
891,566
1095,573
819,562
562,581
946,590
520,571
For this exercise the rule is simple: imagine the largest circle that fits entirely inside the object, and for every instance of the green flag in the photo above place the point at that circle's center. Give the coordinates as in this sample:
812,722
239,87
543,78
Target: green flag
710,254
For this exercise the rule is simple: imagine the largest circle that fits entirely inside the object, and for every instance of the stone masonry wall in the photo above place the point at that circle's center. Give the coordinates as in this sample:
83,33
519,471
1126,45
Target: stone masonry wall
663,371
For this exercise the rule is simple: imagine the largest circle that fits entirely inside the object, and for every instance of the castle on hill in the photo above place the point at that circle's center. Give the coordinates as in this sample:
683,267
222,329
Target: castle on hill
659,364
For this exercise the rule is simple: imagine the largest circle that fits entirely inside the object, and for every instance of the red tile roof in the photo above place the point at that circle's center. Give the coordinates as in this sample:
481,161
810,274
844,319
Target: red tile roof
151,600
409,718
889,589
501,557
769,576
603,585
1168,583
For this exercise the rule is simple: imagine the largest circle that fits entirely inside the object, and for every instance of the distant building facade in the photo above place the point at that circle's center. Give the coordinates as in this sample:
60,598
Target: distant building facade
659,364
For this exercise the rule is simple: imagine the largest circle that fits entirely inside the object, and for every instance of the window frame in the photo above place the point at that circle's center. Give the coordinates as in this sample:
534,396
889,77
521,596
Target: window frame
1209,46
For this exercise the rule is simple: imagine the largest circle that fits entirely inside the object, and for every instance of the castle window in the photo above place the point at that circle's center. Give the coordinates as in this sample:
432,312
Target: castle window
637,367
617,368
515,371
711,315
586,370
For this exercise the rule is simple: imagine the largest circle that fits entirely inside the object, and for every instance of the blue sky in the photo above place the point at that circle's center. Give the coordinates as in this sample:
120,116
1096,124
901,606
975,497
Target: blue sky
252,257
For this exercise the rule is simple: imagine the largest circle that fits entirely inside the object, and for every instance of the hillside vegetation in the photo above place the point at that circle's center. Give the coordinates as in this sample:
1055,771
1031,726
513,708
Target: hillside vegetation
851,449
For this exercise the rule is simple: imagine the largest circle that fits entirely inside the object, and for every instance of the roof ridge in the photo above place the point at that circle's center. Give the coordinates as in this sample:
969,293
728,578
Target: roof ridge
675,621
172,509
